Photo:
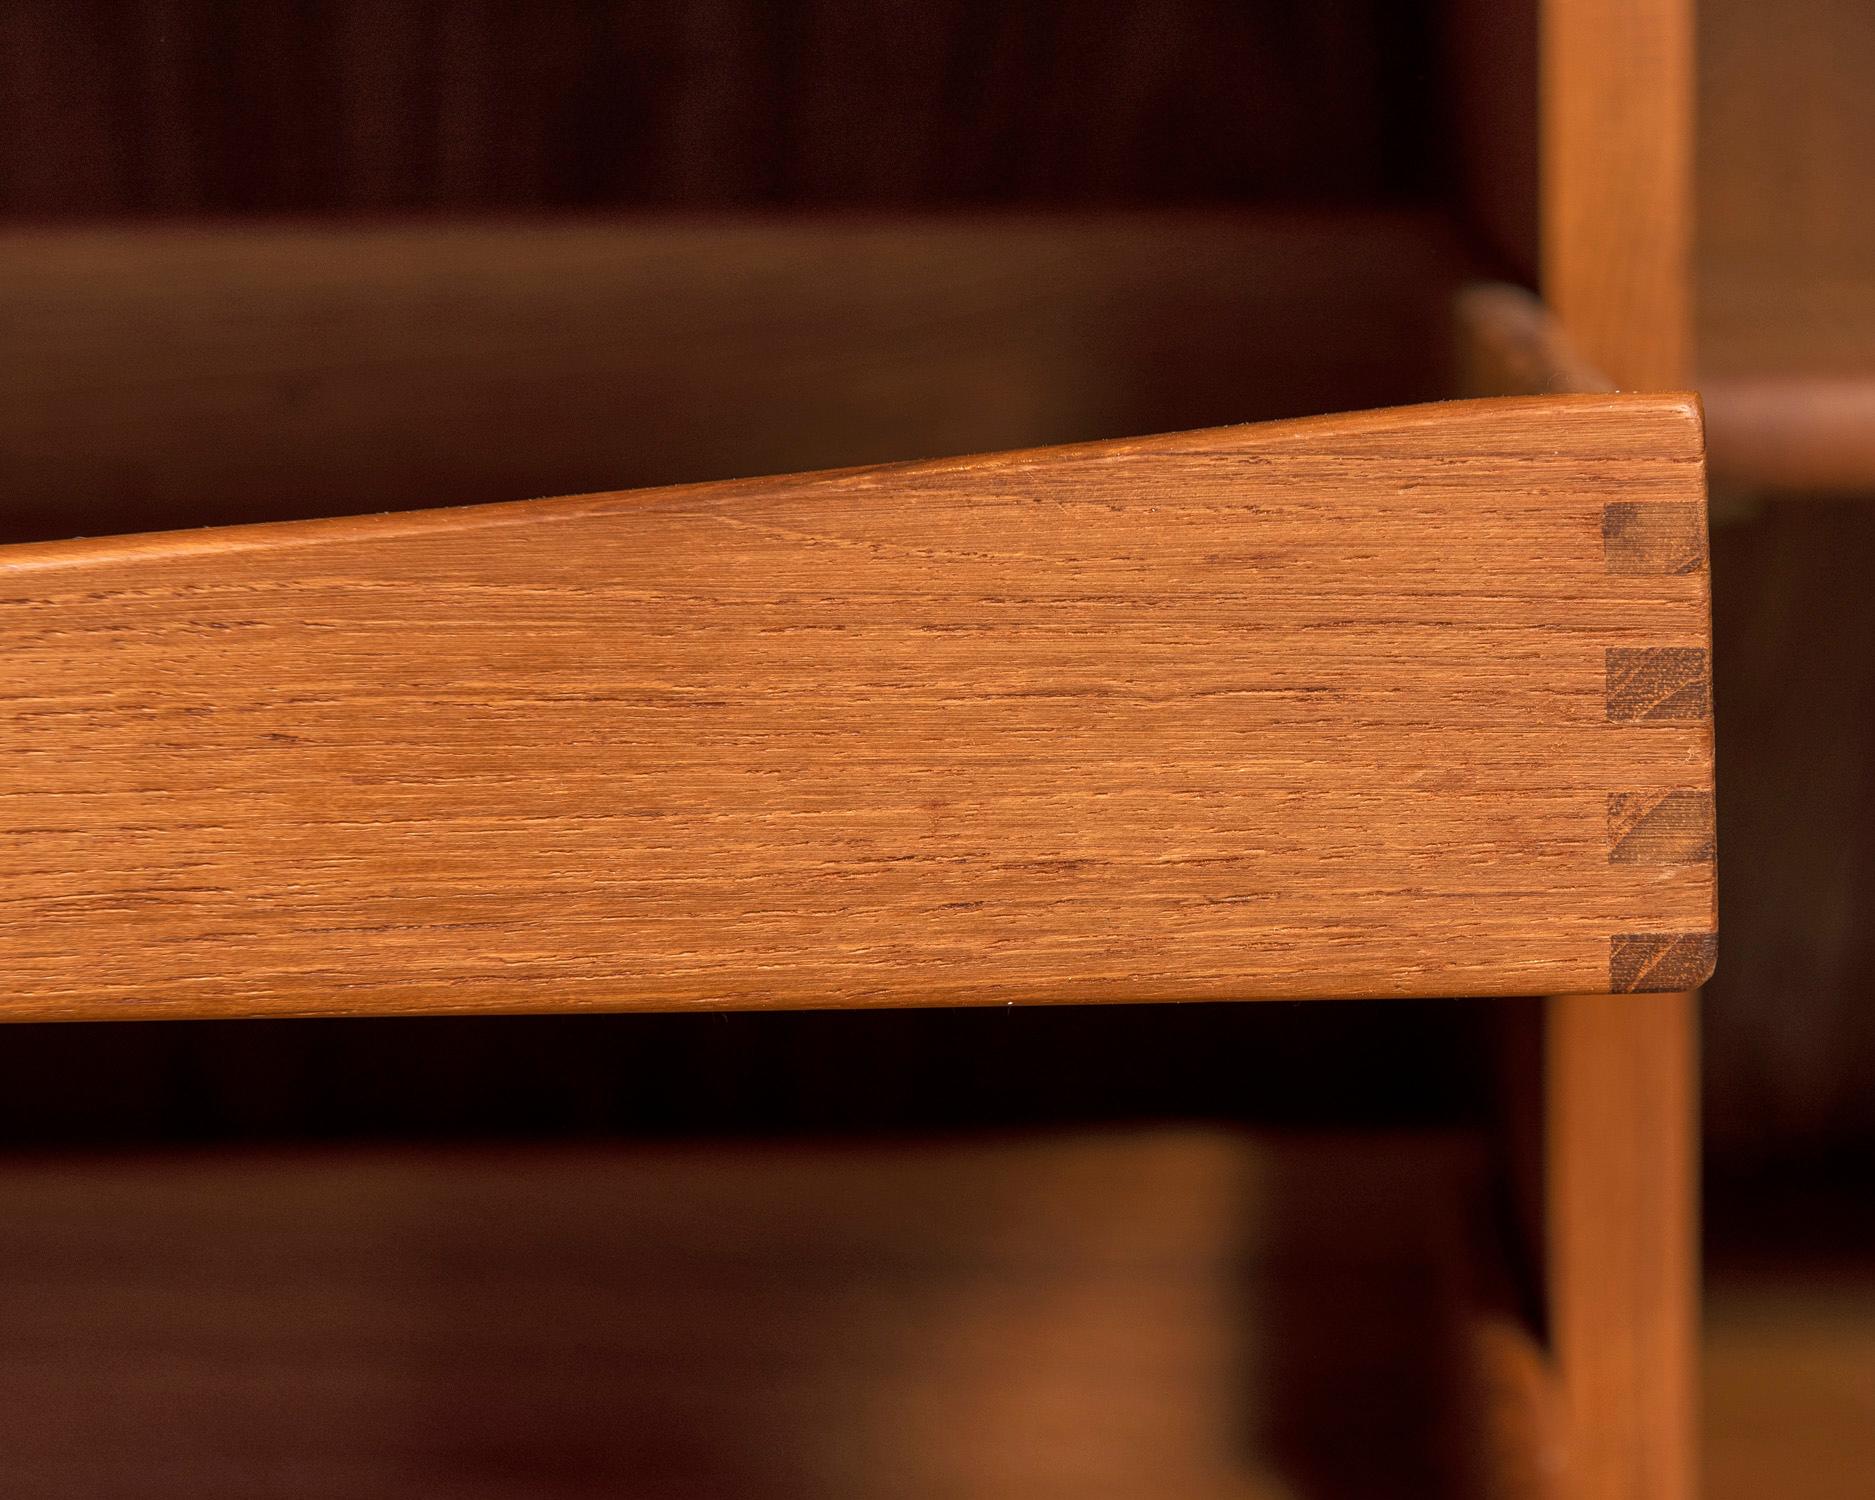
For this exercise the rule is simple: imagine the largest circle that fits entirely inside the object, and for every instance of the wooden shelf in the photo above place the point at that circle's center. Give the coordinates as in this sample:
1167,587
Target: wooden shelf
160,377
1787,369
1162,1312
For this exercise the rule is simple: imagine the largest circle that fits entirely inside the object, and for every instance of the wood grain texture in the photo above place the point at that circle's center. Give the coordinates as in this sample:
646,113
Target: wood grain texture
1660,828
1659,684
1638,537
154,377
1655,961
1616,184
1621,1101
1318,708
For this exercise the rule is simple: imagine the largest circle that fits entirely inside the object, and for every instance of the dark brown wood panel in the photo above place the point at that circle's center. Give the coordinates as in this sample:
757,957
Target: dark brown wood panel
198,107
1176,1313
1786,223
171,377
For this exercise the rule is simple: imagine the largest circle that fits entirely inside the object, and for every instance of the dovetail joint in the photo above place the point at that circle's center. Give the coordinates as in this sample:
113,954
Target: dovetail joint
1653,962
1654,537
1660,828
1658,684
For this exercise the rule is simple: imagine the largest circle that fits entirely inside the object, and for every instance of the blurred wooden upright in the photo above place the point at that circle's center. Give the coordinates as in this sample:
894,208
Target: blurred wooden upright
1618,1154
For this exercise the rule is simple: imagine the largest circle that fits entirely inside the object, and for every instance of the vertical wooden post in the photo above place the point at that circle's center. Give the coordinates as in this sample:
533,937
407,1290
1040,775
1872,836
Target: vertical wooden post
1616,81
1621,1092
1620,1188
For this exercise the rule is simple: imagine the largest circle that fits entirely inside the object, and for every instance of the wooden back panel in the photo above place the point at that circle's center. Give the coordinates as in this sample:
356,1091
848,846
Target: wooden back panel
184,375
1411,702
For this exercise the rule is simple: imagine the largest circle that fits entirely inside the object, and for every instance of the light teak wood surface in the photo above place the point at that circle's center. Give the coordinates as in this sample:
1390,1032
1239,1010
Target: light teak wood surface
1358,705
1621,1188
1616,183
1614,1165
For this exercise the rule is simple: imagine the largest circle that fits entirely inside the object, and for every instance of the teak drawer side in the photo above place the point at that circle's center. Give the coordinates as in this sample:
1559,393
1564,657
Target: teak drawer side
1407,702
